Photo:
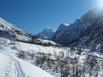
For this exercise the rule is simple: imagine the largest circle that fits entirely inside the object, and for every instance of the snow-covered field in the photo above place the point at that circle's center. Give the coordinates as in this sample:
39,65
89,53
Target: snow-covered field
57,61
38,48
11,66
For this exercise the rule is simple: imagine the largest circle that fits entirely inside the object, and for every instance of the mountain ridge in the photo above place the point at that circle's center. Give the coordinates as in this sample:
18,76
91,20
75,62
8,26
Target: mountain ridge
72,33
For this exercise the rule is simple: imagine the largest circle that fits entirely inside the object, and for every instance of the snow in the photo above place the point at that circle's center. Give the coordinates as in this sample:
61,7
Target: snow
47,41
11,66
13,30
38,48
25,69
66,24
23,37
33,71
5,24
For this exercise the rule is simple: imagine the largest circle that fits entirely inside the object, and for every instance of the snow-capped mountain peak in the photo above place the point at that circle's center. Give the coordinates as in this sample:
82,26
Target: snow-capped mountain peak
4,24
47,33
11,30
66,24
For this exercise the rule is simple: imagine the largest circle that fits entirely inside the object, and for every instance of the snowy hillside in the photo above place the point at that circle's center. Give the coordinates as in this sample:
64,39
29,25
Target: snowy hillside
10,31
11,66
60,62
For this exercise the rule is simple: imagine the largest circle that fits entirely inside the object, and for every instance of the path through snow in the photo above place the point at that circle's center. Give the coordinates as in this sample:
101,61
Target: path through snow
11,66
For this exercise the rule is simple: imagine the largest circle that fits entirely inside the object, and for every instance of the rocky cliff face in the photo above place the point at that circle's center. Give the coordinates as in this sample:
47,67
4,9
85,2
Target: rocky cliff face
68,35
46,34
93,36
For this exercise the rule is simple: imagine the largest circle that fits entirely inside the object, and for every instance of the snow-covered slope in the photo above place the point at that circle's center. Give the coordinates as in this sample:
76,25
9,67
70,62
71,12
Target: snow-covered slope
58,61
38,48
61,62
11,66
10,31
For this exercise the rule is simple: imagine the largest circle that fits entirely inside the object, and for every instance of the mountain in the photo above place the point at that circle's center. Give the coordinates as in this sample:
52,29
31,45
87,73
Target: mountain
70,34
46,34
11,64
23,54
21,58
92,38
57,37
10,31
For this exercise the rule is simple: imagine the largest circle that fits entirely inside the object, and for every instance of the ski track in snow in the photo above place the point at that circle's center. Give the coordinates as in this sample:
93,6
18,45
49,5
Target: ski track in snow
10,67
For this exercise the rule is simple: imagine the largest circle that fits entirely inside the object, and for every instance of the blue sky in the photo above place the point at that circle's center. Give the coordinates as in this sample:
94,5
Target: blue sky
35,15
